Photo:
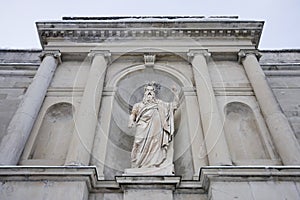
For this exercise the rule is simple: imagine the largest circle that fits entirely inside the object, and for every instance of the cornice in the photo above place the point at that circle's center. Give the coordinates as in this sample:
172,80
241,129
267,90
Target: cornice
93,31
247,174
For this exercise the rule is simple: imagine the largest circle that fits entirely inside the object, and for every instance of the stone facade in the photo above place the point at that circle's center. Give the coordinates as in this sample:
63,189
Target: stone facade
64,110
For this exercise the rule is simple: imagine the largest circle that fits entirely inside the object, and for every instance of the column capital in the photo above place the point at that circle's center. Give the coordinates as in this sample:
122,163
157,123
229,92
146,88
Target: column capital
193,52
243,53
54,53
105,53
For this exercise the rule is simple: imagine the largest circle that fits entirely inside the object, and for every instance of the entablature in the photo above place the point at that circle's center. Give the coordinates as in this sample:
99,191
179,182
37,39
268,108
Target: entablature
99,31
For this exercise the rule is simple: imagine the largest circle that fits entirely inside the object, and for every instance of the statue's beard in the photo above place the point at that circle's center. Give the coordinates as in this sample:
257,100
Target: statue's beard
149,97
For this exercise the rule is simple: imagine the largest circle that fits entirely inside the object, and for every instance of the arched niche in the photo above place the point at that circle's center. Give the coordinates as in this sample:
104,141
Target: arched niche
54,135
243,135
129,90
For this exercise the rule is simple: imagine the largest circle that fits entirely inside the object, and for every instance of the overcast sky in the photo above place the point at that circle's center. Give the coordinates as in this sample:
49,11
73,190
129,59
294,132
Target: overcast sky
281,30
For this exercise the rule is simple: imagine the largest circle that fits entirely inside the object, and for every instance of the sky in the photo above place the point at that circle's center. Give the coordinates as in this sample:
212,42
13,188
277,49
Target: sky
281,29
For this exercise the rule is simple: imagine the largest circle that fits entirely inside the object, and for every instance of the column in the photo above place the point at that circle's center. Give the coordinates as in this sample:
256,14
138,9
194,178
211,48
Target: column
86,118
216,145
280,129
19,128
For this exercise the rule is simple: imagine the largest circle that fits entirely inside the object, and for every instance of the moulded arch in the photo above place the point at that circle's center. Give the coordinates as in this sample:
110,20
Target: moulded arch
238,101
184,81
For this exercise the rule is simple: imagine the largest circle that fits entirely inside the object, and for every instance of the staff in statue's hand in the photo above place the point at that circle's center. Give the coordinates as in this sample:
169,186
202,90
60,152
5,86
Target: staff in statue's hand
176,97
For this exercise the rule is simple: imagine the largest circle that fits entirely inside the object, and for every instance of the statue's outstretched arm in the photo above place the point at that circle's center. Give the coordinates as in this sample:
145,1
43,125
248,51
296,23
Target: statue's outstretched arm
132,117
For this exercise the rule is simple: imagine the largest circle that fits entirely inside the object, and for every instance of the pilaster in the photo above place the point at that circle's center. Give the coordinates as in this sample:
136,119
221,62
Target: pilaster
86,118
216,145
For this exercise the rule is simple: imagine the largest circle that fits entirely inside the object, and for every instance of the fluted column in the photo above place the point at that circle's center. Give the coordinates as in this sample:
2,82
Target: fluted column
216,145
79,152
280,129
19,128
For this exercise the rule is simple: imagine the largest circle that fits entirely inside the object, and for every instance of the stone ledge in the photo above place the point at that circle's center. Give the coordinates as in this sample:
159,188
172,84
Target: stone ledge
148,182
88,174
247,173
167,170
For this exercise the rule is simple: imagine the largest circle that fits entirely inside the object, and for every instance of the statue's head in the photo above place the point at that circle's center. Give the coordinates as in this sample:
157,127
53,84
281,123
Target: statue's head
149,92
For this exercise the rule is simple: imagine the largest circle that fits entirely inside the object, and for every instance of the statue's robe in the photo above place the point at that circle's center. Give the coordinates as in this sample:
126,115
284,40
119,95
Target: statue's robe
154,131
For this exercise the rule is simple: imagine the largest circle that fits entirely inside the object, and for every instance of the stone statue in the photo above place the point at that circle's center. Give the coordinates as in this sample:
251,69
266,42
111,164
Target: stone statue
154,121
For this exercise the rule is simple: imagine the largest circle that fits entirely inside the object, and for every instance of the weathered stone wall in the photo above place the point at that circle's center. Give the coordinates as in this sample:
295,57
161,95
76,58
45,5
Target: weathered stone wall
234,95
282,68
17,68
12,190
66,88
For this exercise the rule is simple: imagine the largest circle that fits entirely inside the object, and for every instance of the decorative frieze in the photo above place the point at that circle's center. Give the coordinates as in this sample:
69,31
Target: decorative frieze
102,34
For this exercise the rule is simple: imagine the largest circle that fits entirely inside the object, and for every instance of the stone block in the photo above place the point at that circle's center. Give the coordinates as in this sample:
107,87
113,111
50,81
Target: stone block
148,194
274,190
230,190
45,190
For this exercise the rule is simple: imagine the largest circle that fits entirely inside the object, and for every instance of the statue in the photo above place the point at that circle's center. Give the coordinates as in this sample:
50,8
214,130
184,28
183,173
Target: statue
154,122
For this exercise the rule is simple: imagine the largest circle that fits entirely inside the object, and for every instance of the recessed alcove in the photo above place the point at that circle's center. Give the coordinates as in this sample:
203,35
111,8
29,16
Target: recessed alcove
243,134
54,135
130,90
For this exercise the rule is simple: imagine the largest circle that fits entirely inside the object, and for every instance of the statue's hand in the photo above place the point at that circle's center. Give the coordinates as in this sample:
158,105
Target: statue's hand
174,89
176,93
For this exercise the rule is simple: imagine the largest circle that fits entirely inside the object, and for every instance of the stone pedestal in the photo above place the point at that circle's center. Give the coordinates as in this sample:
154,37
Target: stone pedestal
165,170
148,187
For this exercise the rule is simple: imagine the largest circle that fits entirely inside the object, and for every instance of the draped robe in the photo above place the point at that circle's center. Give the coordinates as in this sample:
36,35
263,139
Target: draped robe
154,131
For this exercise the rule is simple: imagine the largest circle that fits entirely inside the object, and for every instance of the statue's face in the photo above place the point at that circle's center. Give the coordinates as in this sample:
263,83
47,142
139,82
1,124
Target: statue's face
149,93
